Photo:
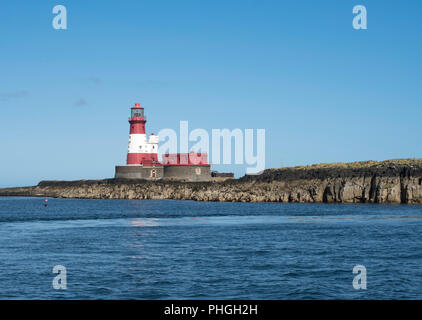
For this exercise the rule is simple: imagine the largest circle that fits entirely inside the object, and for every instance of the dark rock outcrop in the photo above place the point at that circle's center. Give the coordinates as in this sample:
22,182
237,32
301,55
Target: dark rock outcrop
393,181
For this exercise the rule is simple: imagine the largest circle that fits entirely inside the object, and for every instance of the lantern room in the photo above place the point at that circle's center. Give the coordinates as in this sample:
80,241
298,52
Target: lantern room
137,111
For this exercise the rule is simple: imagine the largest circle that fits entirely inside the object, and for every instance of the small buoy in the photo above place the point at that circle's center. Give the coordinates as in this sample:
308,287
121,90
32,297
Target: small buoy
45,202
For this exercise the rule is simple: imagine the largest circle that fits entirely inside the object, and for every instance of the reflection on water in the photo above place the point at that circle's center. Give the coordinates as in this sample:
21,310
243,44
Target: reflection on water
237,220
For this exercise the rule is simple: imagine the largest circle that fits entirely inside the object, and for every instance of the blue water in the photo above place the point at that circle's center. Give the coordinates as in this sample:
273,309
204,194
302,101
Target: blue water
164,249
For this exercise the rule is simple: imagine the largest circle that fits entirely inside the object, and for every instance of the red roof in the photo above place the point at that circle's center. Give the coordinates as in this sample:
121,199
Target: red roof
190,158
137,106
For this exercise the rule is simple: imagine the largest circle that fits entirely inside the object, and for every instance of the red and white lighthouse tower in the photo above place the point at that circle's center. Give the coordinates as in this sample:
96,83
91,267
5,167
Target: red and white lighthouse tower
141,151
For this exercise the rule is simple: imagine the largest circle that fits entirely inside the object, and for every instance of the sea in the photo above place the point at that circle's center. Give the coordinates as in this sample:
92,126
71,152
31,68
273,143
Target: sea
168,249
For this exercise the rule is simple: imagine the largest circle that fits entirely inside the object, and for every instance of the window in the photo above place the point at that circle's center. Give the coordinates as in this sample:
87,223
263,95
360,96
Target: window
137,113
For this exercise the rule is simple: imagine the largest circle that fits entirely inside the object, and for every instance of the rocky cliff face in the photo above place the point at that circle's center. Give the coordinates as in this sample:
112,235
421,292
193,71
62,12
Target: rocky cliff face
398,181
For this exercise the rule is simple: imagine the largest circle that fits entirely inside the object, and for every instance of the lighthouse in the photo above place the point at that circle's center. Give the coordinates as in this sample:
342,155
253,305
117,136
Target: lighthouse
141,151
142,157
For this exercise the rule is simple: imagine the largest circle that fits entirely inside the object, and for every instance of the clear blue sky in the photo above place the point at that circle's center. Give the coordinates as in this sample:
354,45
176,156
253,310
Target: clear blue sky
323,91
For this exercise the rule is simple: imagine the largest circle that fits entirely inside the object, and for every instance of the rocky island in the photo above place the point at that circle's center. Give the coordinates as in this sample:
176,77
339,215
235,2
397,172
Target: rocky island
391,181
